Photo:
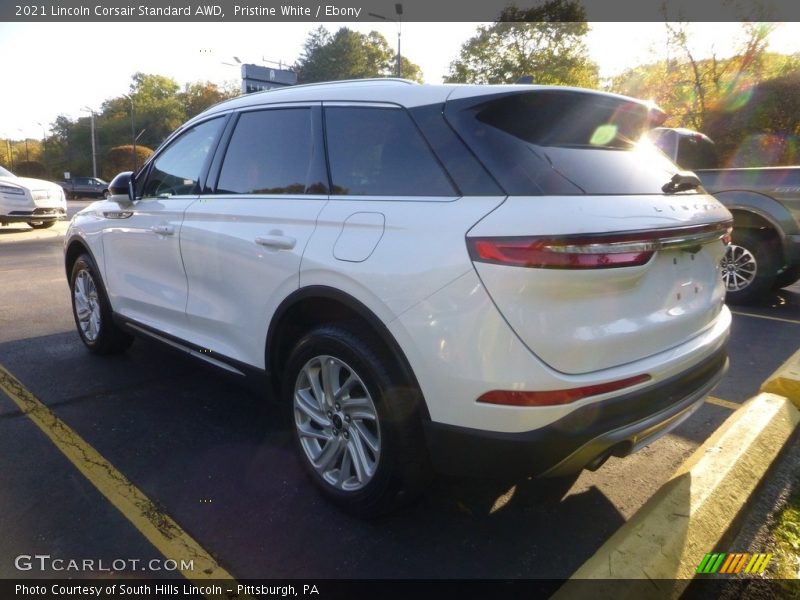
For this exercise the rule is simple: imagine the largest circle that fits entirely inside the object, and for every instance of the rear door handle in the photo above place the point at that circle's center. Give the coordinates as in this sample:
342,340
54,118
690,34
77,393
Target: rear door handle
279,242
163,229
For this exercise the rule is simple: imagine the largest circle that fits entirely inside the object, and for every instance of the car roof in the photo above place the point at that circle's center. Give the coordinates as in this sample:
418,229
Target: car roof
389,90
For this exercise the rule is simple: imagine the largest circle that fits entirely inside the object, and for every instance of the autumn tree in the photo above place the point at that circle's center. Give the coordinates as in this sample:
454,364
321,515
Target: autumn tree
689,87
545,42
348,54
122,158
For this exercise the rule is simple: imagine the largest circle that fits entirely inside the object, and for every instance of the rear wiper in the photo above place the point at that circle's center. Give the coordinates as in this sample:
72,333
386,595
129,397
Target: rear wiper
680,182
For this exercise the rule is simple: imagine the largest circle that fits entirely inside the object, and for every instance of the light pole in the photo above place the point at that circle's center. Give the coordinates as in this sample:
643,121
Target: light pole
133,133
398,9
94,149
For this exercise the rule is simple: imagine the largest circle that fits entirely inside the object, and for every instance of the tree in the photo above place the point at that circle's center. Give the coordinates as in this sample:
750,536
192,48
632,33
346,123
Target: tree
689,88
764,130
348,54
121,158
196,97
545,42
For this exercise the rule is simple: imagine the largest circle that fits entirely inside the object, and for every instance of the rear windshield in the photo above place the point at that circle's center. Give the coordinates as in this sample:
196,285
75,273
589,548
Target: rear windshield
562,142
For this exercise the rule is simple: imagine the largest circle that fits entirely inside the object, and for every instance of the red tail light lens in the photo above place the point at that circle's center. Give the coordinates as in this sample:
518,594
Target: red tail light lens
556,397
591,251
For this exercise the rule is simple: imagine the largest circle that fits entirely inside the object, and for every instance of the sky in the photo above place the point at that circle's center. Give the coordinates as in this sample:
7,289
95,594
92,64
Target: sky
49,69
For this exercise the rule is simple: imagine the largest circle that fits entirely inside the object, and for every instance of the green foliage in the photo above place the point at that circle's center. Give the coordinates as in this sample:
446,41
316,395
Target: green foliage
787,537
348,54
152,110
121,158
761,126
30,168
689,89
196,97
546,42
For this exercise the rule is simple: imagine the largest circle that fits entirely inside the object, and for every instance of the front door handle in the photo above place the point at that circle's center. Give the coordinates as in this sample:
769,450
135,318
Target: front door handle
279,242
163,229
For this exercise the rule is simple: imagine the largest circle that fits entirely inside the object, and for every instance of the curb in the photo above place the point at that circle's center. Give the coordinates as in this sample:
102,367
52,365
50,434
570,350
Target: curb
786,380
667,538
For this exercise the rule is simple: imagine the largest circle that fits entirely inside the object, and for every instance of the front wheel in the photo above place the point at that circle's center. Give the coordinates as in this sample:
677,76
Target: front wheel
356,421
41,224
749,267
92,310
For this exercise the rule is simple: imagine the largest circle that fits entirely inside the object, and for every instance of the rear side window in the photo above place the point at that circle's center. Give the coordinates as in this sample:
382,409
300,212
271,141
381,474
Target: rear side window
380,152
696,152
549,142
270,152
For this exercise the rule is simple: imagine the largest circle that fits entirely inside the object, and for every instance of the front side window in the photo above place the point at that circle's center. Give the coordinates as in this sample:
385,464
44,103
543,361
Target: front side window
379,152
270,152
177,169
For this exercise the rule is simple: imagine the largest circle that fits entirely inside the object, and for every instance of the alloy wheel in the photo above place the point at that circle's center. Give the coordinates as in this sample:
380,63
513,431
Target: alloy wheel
739,268
87,305
337,423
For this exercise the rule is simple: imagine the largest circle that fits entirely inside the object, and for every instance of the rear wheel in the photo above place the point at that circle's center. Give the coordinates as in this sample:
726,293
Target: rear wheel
92,311
787,278
749,266
41,224
356,421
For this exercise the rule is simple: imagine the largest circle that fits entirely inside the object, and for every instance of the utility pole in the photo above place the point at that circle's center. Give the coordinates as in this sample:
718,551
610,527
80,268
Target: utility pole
398,9
94,148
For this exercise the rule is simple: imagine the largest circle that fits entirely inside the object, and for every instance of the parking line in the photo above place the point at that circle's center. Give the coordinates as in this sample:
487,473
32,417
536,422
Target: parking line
723,403
159,528
747,314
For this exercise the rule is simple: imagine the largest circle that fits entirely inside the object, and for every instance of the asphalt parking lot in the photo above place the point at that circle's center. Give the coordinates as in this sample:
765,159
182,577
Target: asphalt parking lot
217,458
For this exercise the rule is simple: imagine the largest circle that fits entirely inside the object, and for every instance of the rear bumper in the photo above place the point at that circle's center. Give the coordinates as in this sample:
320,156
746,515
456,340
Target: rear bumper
584,438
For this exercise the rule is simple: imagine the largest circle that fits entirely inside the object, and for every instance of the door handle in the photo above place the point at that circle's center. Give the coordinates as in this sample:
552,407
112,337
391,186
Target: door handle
279,242
163,229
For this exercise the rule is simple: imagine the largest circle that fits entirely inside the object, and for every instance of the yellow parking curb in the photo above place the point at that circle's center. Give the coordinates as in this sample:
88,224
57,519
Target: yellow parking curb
786,380
669,536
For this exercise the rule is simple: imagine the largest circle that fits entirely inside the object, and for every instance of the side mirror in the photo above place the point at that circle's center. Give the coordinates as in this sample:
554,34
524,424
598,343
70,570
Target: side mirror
121,188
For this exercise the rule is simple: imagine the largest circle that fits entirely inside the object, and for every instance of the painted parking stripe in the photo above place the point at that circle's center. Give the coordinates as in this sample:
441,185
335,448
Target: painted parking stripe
724,403
159,528
755,316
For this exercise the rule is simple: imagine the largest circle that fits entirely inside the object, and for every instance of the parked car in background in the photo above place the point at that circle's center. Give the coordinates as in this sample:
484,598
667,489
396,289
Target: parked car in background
84,187
36,202
765,203
489,280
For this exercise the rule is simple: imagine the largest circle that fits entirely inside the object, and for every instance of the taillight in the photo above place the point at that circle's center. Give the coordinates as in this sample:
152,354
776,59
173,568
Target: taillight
590,251
555,397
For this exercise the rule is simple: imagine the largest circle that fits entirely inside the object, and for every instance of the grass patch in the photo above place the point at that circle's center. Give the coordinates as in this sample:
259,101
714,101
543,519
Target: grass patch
787,538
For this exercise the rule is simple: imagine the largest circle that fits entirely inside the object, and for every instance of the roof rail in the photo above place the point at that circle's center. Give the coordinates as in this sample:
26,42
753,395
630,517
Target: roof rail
345,81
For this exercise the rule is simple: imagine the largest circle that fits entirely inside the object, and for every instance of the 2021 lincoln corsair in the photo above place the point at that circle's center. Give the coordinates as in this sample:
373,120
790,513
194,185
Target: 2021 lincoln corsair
478,279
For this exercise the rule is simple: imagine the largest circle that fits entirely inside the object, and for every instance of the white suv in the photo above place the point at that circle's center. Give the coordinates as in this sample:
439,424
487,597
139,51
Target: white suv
480,279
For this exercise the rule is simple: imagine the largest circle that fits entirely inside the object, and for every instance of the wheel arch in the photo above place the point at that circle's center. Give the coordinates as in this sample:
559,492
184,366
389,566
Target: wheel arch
316,305
752,210
74,248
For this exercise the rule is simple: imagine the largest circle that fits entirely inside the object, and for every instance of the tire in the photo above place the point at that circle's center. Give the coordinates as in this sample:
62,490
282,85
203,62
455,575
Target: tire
41,224
92,310
787,278
749,266
356,421
106,194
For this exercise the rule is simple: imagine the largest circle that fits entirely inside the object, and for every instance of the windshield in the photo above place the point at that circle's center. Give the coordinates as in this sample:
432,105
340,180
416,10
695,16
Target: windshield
6,173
